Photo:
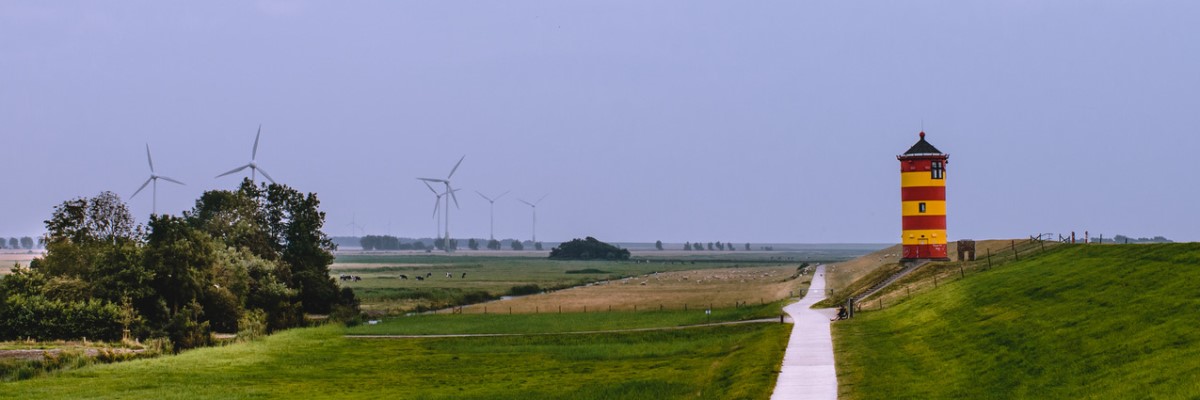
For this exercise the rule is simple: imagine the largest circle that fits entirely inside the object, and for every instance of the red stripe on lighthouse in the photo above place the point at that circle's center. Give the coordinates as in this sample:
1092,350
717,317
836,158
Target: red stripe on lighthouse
921,222
914,193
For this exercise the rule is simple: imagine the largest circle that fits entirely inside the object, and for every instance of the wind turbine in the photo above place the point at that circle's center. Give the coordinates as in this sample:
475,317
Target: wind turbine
437,224
449,195
492,213
254,168
534,206
153,178
355,227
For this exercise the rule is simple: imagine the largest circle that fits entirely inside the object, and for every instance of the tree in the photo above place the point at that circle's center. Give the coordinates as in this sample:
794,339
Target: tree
493,244
588,249
710,246
14,243
516,245
537,246
658,245
747,246
3,243
720,246
473,244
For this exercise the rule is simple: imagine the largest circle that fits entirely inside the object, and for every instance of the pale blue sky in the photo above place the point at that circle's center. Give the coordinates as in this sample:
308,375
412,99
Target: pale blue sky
765,121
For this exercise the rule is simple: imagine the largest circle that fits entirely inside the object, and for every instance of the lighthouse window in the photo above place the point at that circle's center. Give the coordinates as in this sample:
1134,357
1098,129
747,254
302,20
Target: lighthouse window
921,207
937,170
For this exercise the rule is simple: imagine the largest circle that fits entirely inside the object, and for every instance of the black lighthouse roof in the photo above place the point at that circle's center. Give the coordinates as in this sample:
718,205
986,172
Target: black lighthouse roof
922,148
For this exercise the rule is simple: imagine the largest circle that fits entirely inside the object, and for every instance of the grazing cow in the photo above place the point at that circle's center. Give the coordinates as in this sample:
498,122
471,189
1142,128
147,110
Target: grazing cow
449,275
464,275
420,278
357,278
429,275
404,277
344,277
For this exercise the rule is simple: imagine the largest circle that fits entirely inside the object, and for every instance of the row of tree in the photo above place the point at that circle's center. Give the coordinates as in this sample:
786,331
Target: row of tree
698,246
386,242
252,260
26,243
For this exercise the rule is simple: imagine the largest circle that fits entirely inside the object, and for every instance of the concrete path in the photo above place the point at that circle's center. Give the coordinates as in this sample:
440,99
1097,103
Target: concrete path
808,371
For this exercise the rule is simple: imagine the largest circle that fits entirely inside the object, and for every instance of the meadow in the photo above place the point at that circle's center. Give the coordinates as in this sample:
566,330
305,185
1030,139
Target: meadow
501,323
720,362
1074,321
382,291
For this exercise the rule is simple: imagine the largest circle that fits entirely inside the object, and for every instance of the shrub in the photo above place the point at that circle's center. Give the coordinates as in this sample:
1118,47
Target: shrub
523,290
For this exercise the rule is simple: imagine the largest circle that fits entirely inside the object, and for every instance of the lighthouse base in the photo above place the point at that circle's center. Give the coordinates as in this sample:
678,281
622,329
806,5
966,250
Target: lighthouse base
925,252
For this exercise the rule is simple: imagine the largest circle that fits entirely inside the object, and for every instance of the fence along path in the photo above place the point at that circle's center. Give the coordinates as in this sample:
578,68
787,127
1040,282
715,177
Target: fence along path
808,370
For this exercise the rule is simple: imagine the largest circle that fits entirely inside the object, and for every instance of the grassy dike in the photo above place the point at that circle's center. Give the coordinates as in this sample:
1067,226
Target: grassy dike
1078,321
722,362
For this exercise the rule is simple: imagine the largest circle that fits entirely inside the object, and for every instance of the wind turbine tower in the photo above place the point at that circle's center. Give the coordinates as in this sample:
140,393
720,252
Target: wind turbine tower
492,213
253,165
154,177
534,206
449,195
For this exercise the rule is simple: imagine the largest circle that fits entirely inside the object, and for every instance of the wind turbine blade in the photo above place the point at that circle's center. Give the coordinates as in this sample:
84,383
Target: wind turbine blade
431,188
148,159
171,180
254,154
484,197
541,198
453,196
261,171
460,160
526,202
501,195
140,189
436,204
432,180
235,170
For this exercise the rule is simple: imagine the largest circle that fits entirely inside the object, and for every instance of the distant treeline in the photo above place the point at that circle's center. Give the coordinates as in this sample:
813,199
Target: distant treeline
387,242
1120,239
26,243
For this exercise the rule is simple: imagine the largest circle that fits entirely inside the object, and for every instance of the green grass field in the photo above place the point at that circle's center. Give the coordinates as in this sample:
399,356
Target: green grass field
1077,321
726,362
553,322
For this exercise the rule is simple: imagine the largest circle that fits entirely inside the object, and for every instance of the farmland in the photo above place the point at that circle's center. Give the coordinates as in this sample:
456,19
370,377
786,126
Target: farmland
728,280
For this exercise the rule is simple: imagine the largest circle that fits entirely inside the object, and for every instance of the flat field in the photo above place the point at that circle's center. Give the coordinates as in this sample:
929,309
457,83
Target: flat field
722,362
718,288
384,291
8,258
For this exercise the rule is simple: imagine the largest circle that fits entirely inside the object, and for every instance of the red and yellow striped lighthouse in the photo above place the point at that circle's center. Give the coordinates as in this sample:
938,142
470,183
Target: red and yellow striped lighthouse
923,199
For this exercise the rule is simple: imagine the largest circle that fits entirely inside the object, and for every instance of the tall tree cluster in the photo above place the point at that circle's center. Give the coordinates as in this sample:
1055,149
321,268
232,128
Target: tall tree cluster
254,259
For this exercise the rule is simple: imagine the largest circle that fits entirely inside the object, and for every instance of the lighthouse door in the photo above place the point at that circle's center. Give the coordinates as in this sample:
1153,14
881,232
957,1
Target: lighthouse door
922,248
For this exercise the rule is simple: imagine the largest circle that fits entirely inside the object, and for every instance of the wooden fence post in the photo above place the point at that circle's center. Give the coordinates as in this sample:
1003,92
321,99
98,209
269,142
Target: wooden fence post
989,258
1016,255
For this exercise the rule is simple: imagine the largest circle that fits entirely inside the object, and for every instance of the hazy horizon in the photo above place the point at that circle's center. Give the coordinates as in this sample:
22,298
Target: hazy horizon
754,122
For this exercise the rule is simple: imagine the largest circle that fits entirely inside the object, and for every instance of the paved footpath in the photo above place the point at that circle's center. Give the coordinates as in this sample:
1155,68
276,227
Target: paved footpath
808,371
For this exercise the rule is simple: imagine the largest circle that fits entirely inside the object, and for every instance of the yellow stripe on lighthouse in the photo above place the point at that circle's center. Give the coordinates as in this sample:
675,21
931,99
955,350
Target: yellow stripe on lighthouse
932,207
931,236
920,178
